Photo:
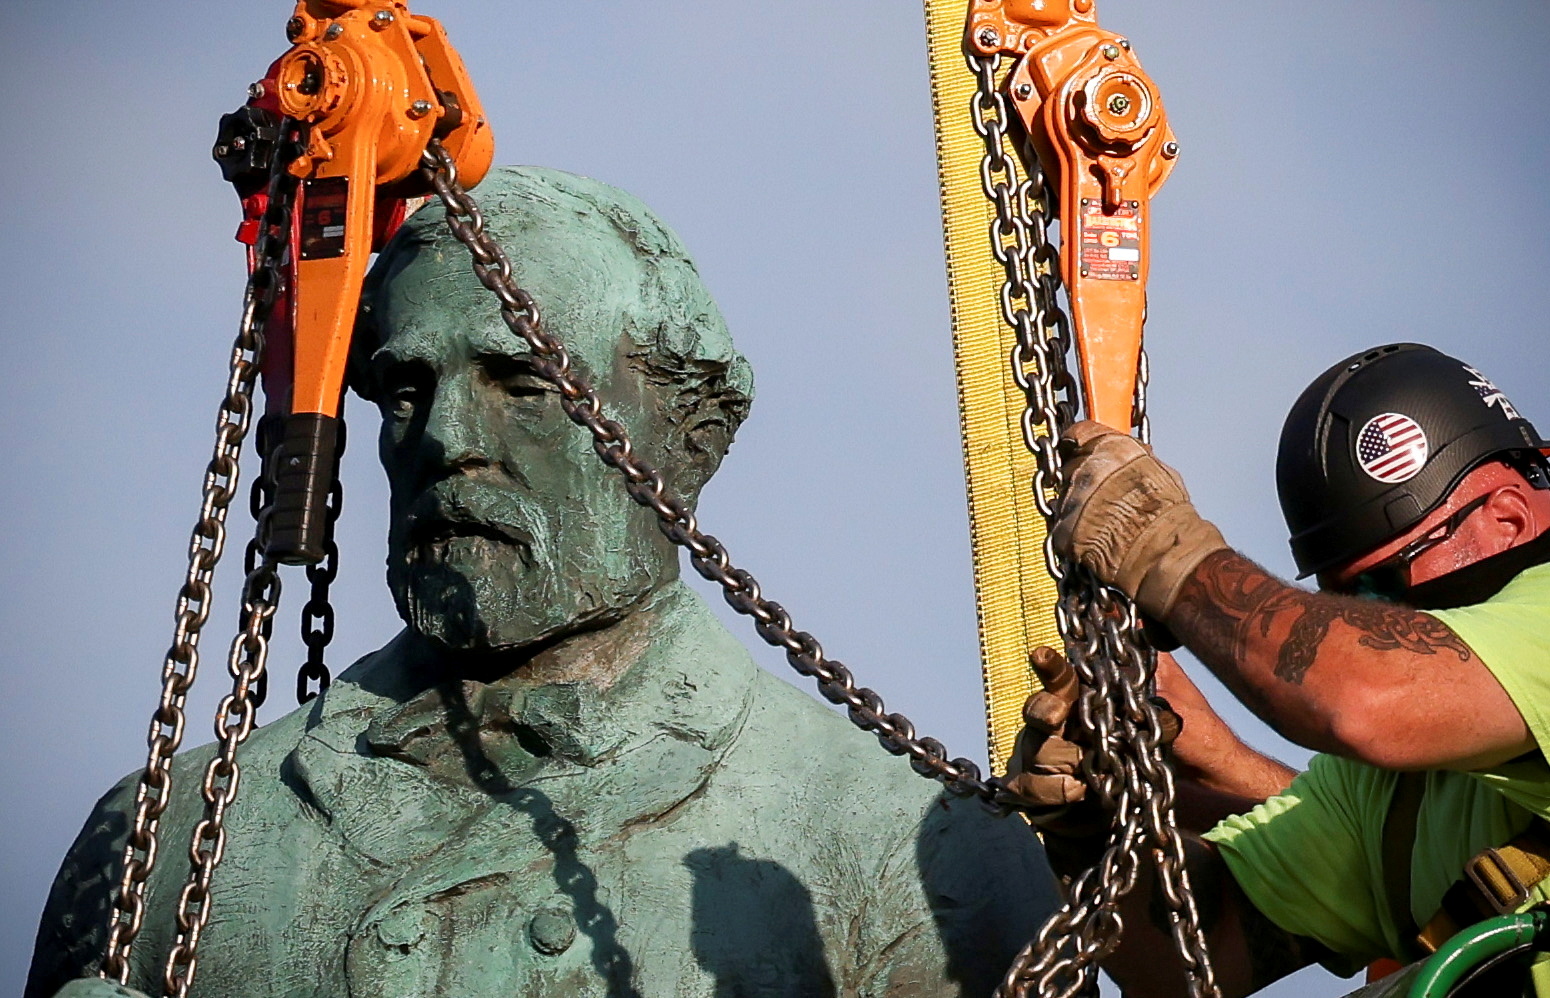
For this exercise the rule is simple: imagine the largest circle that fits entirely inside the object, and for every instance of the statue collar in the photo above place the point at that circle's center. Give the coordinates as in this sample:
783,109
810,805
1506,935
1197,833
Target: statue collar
690,679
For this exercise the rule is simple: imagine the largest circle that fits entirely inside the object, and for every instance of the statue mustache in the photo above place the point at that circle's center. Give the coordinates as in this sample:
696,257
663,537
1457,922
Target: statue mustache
453,508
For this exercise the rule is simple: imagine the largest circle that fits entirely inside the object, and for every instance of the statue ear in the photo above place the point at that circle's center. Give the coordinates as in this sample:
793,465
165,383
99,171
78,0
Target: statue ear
711,409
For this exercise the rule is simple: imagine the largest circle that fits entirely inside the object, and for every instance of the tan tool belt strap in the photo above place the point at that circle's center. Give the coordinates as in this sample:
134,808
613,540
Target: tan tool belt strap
1495,882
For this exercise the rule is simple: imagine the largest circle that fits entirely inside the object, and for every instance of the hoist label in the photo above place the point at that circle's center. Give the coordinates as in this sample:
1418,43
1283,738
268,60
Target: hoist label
1111,242
323,205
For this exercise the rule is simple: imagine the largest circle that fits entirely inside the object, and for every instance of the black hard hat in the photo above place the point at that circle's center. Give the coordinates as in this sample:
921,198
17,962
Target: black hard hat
1379,440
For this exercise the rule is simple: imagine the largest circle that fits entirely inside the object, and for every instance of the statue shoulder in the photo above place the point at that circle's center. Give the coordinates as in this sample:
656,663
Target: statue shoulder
73,930
951,889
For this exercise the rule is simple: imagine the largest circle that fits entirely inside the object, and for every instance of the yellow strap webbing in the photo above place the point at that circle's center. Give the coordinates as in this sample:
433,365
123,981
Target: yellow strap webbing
1014,595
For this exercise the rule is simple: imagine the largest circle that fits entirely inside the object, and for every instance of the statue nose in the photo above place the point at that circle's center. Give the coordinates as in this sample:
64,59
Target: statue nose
456,426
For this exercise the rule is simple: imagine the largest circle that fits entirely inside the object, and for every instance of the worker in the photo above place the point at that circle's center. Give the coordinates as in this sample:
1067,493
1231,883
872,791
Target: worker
1417,496
564,777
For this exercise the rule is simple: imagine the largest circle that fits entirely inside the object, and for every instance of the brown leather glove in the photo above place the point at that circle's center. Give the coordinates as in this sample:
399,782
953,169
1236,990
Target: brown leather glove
1044,778
1127,518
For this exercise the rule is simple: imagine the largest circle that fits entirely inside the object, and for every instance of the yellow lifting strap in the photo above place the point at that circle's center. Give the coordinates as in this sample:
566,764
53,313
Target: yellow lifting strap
1014,594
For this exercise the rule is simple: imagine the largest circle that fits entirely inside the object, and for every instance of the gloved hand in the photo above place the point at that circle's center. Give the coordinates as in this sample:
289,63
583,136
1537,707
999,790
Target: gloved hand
1127,518
1044,778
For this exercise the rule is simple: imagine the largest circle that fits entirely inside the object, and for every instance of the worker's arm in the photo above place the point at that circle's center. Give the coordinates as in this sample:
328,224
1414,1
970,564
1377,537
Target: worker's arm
1215,773
1372,681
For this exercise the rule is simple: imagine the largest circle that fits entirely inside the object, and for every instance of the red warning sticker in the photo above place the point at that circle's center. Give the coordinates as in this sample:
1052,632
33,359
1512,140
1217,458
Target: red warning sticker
323,201
1111,241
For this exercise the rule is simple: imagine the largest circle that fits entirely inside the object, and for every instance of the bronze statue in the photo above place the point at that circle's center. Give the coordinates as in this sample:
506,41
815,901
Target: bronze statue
565,777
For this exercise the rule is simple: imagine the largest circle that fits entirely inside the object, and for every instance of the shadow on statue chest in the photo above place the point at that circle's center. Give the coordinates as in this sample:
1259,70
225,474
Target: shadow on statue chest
537,847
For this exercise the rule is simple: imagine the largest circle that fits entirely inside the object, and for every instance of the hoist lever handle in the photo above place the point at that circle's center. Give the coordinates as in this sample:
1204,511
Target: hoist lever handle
1097,123
373,85
305,466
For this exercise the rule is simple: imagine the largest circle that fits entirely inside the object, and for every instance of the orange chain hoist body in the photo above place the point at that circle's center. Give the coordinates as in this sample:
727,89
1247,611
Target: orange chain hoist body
374,88
1097,123
373,85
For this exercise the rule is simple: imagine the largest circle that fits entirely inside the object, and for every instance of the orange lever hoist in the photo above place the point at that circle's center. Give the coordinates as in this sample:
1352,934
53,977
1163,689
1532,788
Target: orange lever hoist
1097,123
368,86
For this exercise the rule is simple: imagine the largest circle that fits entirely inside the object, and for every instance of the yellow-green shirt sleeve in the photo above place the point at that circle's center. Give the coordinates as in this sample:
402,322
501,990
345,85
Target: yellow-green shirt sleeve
1304,859
1510,633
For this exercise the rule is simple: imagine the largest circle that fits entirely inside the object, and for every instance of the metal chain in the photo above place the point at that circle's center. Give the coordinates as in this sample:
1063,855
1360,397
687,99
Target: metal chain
234,722
1099,626
676,520
317,616
260,497
153,790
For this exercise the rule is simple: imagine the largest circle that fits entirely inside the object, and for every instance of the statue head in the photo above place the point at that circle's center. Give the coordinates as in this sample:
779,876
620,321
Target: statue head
506,530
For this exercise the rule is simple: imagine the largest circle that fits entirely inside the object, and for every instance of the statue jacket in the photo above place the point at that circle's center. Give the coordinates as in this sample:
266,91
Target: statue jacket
696,828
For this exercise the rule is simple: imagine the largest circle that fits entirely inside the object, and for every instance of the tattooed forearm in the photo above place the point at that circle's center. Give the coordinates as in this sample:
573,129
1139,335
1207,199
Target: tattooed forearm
1302,645
1229,601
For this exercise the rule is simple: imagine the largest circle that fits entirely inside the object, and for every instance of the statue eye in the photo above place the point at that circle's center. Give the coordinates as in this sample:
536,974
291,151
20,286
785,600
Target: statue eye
403,387
515,375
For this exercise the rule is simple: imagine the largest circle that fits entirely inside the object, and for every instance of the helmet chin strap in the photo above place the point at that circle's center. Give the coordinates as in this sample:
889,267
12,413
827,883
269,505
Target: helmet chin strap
1480,581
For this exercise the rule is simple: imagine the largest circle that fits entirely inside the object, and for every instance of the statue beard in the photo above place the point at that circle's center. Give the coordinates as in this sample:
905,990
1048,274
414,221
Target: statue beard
478,581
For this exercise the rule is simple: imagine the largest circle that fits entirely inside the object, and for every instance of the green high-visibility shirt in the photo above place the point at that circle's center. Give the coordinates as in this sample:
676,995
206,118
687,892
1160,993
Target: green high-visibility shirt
1312,859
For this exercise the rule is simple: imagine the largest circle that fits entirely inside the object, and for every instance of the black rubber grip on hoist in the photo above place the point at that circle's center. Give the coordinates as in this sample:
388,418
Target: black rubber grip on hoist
305,467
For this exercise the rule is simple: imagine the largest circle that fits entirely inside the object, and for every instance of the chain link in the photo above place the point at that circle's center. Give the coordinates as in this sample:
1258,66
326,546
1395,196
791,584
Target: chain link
1098,625
234,721
153,790
676,520
260,497
317,616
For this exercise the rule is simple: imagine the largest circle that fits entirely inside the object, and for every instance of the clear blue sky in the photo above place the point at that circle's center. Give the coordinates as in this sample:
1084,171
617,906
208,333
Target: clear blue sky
1343,183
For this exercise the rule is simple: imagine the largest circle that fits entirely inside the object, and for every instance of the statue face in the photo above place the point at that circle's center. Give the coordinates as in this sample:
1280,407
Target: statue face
506,528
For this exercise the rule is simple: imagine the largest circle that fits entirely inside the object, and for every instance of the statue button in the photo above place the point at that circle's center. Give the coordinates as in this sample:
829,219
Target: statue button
552,931
402,929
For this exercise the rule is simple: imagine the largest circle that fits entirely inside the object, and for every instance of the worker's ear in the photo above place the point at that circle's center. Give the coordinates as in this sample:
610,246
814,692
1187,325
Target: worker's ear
1507,518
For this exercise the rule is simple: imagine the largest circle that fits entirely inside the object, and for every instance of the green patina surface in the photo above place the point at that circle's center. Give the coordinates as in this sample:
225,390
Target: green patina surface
564,777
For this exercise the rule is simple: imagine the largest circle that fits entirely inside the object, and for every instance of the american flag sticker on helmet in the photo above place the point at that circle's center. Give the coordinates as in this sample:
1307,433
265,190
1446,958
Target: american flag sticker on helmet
1391,447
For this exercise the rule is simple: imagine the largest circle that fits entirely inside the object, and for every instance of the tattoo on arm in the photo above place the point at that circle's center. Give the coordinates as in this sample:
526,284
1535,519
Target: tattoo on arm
1229,599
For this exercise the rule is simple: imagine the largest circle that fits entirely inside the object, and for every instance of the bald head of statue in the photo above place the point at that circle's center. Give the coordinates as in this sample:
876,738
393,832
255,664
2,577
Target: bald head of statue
506,531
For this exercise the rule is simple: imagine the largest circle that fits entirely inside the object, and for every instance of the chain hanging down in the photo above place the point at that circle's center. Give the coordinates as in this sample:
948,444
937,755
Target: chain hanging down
153,790
1101,630
235,718
317,615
